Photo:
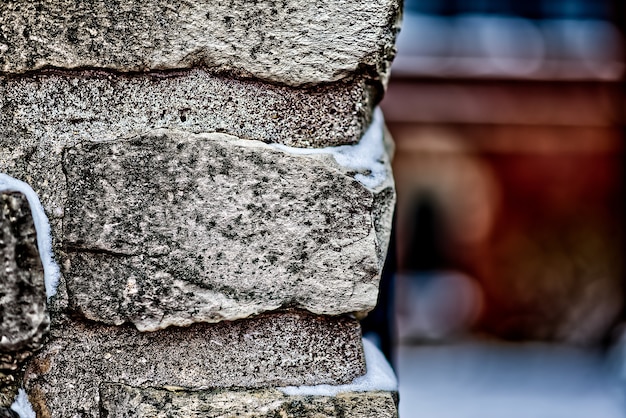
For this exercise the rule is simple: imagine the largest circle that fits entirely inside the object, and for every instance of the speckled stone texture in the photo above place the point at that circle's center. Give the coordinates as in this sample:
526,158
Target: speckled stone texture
277,349
8,392
118,401
174,228
63,107
293,42
43,113
202,266
24,319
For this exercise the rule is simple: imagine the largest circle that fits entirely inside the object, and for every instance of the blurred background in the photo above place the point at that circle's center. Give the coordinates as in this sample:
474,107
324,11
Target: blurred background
503,294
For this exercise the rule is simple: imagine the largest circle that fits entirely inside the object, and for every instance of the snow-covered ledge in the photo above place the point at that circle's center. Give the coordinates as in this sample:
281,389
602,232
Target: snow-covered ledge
379,377
367,157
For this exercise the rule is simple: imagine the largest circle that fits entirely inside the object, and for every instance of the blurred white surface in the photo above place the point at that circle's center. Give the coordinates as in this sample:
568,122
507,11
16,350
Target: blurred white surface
489,380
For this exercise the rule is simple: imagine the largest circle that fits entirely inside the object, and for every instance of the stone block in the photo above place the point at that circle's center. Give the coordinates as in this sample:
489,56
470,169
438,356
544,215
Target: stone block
9,387
173,228
41,114
274,349
24,319
58,108
293,42
119,401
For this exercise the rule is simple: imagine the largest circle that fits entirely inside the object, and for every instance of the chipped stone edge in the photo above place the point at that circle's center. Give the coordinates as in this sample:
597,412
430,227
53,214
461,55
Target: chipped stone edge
379,377
42,226
369,161
368,155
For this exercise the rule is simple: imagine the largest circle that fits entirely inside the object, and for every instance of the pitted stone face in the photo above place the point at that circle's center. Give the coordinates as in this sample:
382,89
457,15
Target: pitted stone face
284,348
294,42
23,316
123,401
173,229
90,105
75,107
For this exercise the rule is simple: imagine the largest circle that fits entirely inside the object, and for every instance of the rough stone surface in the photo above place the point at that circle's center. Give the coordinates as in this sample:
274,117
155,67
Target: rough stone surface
8,391
278,349
24,319
293,41
118,401
63,107
41,114
173,228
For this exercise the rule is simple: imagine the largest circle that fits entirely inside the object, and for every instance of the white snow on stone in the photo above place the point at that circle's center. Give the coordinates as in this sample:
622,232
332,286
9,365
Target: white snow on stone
366,156
22,405
379,377
44,239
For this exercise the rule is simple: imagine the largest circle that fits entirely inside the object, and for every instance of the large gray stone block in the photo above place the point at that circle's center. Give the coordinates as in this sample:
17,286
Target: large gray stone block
118,401
57,108
24,319
172,229
275,349
292,42
42,114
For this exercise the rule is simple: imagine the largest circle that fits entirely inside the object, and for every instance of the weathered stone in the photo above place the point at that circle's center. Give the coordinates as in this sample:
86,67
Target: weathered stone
270,350
63,107
119,401
173,228
8,391
23,316
42,114
293,42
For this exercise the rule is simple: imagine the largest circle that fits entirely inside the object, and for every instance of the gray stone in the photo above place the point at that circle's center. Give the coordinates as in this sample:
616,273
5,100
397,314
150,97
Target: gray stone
173,228
24,319
118,401
293,42
41,114
8,391
63,107
288,348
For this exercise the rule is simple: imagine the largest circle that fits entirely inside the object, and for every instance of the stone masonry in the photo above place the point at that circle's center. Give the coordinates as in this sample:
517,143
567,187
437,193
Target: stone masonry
24,319
210,185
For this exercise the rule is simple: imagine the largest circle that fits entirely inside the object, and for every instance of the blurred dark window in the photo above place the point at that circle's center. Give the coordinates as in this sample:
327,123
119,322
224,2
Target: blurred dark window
530,9
577,9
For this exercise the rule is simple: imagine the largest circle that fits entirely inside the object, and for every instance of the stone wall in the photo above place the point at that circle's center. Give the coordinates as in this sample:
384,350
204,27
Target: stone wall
202,190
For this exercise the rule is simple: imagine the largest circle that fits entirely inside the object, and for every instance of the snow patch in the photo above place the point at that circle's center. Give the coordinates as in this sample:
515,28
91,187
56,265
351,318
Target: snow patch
44,239
22,405
379,377
367,156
